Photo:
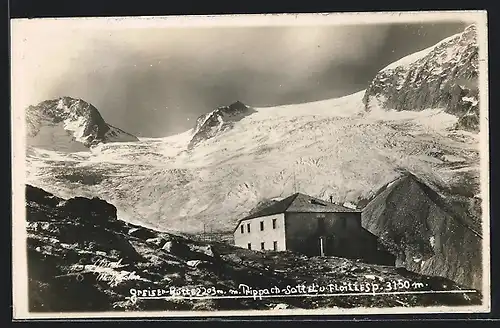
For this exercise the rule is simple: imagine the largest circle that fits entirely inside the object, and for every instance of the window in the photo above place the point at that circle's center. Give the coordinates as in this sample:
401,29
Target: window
261,225
262,245
242,228
249,245
275,245
248,227
274,223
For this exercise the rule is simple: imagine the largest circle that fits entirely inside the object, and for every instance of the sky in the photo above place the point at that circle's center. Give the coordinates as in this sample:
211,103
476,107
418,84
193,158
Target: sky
155,82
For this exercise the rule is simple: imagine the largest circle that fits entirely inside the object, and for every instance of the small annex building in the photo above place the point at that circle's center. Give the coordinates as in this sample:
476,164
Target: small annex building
310,226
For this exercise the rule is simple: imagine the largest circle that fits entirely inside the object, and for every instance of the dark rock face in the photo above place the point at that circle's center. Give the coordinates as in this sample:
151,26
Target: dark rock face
81,258
50,119
470,120
221,119
420,228
445,77
40,197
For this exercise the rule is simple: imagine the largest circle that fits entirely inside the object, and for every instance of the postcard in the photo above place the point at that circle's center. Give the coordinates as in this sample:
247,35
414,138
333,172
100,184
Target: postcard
250,165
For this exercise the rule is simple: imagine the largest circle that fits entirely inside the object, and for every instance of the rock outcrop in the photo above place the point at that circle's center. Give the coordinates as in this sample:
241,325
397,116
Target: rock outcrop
210,124
424,232
442,76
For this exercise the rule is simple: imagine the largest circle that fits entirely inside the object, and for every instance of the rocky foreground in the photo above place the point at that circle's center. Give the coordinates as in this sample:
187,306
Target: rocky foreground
81,258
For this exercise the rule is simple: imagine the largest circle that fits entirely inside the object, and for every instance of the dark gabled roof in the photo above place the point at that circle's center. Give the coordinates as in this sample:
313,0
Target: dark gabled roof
306,203
276,208
298,203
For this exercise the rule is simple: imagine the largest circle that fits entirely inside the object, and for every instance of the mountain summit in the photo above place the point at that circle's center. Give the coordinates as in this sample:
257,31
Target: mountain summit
442,76
69,124
221,119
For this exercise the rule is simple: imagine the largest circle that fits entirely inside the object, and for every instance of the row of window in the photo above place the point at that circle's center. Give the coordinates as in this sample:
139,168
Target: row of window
242,227
263,245
321,224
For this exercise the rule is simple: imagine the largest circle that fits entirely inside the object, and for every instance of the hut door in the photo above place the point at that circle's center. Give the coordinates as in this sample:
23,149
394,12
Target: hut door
321,235
321,246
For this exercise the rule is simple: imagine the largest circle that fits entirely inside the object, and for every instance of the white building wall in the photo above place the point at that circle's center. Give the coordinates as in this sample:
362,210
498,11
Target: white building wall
267,236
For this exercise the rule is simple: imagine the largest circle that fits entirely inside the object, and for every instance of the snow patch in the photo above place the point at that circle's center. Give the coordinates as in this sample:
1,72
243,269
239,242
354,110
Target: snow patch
349,205
346,106
199,125
60,104
431,118
77,127
471,100
453,159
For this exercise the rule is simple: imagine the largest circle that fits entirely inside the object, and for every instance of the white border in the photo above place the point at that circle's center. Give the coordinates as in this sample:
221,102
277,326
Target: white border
18,26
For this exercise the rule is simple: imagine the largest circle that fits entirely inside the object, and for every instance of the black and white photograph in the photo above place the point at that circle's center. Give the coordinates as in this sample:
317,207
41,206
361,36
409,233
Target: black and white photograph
239,165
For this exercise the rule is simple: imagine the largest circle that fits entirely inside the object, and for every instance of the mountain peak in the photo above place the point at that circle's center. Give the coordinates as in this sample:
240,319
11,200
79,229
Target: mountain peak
441,76
471,27
238,105
68,123
219,120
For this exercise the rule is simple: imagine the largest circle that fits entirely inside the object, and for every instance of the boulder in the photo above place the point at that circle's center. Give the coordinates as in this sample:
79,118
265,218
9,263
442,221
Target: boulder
280,306
157,241
142,233
193,263
204,249
94,211
176,248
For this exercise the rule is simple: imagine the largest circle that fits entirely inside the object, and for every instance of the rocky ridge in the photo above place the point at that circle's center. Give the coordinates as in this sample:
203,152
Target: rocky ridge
425,232
442,76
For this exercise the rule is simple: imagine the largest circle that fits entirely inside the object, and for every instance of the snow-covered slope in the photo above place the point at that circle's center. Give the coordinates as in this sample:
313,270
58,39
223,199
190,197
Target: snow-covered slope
324,148
442,76
69,124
